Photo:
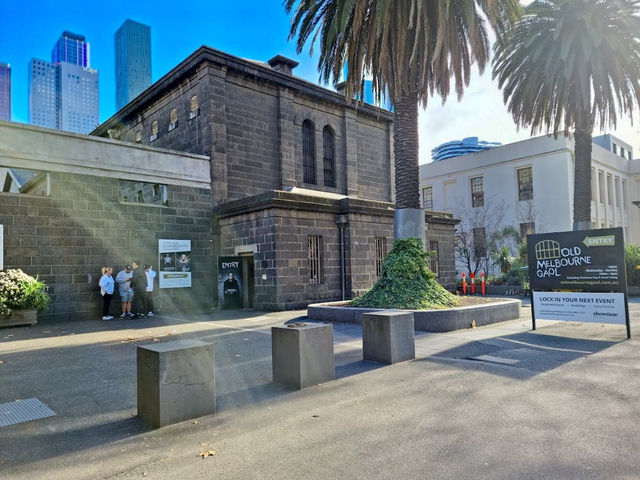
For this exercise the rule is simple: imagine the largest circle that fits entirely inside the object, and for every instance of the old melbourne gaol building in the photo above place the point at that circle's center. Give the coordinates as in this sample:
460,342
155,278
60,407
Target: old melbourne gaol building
243,185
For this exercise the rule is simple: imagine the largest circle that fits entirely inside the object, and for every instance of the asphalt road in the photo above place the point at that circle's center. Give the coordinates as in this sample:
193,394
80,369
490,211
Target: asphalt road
496,402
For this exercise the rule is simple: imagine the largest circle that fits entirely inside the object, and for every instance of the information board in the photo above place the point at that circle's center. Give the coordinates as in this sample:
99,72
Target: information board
174,263
580,307
230,282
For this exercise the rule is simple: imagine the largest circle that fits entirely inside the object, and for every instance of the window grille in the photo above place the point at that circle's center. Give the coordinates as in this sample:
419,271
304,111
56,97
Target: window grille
434,258
154,131
138,136
381,253
194,109
477,192
308,152
525,184
173,119
328,140
479,242
315,259
427,197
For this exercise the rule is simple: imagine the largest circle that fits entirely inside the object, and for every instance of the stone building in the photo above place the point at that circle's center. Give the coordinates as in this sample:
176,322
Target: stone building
300,178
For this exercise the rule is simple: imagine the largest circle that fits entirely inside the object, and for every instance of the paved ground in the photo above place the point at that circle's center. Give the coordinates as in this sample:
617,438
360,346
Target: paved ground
493,402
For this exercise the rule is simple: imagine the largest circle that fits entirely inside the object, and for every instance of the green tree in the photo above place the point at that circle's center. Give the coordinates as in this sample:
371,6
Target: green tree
566,64
411,48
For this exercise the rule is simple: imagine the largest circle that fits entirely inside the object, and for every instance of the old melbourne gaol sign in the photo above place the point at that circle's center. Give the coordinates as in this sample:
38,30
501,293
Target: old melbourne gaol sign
579,276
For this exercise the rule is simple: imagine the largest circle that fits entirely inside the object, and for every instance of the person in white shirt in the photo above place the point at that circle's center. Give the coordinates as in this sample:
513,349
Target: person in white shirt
107,285
148,298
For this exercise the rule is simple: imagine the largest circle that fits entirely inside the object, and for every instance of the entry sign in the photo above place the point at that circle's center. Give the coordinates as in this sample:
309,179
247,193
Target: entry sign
588,268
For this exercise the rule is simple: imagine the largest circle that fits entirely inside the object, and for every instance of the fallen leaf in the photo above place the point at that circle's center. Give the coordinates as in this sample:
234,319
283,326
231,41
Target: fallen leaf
131,339
207,453
473,324
203,444
195,422
315,416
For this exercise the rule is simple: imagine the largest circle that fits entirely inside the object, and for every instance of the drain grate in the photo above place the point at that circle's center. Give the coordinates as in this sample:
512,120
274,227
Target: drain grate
23,411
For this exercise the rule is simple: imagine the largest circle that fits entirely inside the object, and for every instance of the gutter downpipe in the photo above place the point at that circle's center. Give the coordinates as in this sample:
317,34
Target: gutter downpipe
341,221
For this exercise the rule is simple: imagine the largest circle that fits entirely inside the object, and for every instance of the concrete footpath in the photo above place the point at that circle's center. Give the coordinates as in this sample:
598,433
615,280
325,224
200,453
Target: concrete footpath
495,402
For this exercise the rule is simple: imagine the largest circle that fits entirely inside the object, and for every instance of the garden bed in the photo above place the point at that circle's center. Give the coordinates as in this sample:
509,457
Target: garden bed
476,311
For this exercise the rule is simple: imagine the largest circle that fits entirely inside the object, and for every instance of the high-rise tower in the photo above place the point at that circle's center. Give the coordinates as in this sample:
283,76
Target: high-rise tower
5,91
133,61
63,93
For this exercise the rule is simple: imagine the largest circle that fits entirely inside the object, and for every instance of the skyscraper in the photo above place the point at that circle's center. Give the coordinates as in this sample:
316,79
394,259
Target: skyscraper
133,61
5,91
63,93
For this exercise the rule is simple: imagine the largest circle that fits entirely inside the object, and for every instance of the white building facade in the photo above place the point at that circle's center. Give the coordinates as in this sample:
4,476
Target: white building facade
529,185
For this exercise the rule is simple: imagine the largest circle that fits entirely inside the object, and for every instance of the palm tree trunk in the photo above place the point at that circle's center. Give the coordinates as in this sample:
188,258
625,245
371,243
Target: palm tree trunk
405,140
582,179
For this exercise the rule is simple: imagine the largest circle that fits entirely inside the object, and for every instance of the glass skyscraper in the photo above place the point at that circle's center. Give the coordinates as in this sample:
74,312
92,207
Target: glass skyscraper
5,91
63,93
133,61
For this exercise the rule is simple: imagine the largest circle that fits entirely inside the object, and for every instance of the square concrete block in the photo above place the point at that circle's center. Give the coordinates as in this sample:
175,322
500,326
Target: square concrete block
387,337
303,355
175,381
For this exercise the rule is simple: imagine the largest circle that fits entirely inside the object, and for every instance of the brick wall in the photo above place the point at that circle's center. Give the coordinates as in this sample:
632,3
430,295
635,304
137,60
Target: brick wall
66,237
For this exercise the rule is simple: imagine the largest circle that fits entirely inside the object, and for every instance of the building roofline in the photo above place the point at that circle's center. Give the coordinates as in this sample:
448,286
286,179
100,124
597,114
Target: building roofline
208,54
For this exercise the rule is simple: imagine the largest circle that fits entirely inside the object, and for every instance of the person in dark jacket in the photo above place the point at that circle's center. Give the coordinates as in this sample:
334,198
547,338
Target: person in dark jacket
139,284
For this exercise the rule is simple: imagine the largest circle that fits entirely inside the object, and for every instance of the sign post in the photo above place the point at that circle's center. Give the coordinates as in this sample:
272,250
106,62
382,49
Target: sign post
579,276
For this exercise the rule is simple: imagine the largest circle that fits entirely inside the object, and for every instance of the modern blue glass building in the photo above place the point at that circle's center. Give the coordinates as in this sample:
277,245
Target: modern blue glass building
63,93
456,148
5,91
133,61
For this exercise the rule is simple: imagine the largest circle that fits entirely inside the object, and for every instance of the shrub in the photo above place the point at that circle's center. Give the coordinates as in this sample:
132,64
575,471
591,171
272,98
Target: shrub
632,260
21,291
406,281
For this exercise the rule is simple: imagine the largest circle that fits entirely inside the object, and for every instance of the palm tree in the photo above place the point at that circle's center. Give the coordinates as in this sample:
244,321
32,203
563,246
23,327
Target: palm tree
411,48
567,64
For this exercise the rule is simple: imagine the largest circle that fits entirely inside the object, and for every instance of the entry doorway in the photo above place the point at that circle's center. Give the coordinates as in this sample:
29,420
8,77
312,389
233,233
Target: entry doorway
248,273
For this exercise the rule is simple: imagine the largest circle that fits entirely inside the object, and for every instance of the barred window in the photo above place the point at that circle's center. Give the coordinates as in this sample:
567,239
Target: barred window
194,108
528,228
477,192
328,141
381,253
316,274
154,131
138,136
479,242
427,197
434,258
173,119
525,184
308,152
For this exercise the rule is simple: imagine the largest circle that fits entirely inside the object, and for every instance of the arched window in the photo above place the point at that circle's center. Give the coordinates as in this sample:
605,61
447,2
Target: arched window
308,152
194,107
154,131
173,119
138,136
329,155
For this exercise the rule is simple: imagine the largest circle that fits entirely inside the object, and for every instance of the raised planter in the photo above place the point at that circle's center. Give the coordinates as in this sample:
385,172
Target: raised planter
444,320
19,317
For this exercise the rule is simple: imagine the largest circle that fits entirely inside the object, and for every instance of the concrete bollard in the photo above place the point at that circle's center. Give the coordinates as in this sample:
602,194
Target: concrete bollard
175,381
302,354
387,337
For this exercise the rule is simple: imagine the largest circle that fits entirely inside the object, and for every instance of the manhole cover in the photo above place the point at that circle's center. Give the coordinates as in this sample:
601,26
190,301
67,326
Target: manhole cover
23,411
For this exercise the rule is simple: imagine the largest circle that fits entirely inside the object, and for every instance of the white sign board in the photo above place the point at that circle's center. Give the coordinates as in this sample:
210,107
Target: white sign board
580,307
174,263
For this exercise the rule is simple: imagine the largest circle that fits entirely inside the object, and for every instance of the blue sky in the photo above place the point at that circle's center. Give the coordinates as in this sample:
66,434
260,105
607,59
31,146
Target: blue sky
256,29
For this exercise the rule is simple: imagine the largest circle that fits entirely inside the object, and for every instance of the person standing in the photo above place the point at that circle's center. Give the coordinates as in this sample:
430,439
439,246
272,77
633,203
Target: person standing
107,286
148,298
123,279
139,284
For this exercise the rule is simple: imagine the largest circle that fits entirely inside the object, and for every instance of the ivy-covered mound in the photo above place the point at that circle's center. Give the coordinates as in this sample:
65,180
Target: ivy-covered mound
406,281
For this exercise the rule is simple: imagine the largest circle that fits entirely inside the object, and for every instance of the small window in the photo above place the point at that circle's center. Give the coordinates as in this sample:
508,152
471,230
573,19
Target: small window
434,258
525,184
615,148
528,228
316,274
628,154
173,119
477,192
622,152
139,136
381,253
328,141
479,242
194,108
427,197
143,192
154,131
308,152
